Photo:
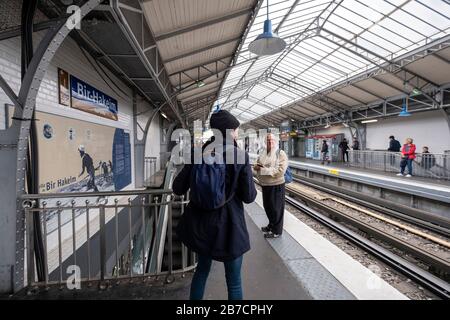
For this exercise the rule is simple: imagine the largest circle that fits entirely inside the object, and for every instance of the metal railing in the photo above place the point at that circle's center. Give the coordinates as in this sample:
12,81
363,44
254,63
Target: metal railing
436,166
150,168
105,235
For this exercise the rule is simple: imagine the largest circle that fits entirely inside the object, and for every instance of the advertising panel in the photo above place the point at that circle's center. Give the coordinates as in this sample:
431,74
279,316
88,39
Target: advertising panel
63,87
79,156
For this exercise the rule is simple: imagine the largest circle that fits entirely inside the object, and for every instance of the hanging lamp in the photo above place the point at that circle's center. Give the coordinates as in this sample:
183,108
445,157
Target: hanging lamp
267,43
404,112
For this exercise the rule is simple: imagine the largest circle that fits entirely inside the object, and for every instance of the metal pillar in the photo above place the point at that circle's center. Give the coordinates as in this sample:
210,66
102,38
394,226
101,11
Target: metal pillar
139,149
361,133
446,114
13,150
139,146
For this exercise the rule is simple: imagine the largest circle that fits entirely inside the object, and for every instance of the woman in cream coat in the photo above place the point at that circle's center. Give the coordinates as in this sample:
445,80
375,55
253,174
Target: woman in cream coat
269,169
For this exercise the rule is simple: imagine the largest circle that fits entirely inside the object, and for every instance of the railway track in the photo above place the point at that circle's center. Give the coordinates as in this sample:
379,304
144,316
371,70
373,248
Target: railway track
332,217
433,223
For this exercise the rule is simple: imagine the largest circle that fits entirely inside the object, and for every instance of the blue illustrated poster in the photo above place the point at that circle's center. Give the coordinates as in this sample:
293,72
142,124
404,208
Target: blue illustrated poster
121,155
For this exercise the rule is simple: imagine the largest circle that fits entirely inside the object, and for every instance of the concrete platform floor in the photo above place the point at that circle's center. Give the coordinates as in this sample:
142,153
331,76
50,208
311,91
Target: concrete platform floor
264,276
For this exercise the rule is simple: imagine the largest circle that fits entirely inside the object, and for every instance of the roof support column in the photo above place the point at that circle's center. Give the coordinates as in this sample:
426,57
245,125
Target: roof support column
13,155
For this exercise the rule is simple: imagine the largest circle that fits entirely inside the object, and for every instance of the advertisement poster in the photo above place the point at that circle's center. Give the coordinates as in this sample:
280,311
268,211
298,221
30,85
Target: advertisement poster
63,87
78,156
86,98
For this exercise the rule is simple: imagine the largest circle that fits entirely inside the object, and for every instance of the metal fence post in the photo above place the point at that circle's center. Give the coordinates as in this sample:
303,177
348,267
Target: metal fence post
30,237
102,243
169,235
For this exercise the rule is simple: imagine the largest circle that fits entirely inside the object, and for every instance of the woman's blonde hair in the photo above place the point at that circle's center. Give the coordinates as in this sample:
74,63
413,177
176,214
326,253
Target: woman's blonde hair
410,140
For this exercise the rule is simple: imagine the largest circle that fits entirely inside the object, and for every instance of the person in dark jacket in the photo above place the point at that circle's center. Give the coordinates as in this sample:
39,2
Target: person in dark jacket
428,159
394,146
220,234
355,147
344,149
324,152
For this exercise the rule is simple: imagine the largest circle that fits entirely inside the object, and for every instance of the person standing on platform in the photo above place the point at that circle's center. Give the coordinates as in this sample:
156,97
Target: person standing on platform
394,146
270,168
217,230
428,159
344,149
324,152
408,156
355,147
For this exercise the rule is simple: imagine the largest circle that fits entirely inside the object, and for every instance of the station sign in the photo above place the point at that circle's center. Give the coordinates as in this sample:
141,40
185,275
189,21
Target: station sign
80,95
87,98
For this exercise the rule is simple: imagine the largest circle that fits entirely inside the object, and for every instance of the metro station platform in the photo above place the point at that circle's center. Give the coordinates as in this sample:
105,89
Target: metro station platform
300,265
425,187
342,165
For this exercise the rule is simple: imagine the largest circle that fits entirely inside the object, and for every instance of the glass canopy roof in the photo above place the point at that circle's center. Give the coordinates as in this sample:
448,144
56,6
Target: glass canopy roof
327,42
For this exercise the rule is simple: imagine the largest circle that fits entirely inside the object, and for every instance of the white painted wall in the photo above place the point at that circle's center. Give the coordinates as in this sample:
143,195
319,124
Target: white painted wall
10,71
426,128
336,129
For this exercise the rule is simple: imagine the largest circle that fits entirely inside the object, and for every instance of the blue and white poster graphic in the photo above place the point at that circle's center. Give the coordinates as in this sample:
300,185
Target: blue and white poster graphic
121,155
87,98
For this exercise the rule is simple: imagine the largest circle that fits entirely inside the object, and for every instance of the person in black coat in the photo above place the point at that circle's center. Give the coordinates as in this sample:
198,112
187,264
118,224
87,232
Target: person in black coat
220,234
344,149
324,152
394,146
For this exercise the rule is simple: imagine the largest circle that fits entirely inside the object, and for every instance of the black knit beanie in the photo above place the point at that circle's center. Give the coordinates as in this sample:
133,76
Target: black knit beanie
223,120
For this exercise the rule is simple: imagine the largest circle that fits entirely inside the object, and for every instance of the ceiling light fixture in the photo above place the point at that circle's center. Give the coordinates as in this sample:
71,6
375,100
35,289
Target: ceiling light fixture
200,83
164,115
369,121
267,43
404,112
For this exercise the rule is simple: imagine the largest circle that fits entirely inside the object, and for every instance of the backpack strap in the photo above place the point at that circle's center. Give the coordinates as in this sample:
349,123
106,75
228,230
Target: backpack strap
233,183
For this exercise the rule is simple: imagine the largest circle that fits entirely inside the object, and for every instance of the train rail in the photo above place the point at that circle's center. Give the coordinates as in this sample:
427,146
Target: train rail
430,222
330,217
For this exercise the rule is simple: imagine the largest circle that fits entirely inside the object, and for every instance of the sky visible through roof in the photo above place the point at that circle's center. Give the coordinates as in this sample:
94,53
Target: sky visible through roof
327,42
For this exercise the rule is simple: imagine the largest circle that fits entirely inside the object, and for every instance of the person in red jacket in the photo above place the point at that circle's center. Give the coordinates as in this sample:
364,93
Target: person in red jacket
408,155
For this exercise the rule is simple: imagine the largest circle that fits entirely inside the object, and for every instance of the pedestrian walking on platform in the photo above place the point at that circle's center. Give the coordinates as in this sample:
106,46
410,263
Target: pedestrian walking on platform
270,168
408,156
324,152
213,224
